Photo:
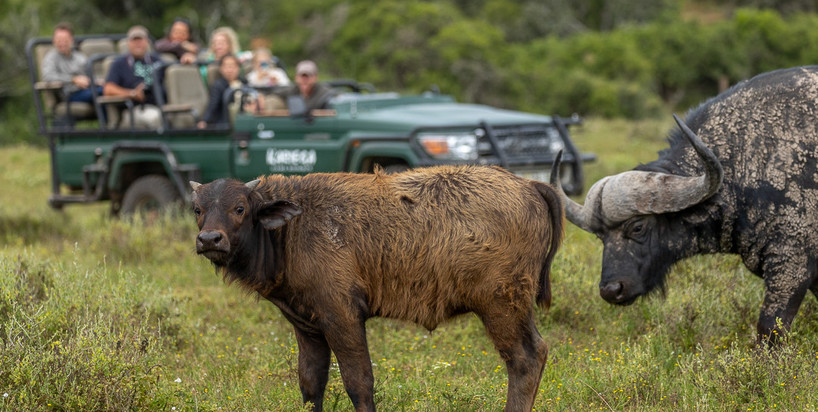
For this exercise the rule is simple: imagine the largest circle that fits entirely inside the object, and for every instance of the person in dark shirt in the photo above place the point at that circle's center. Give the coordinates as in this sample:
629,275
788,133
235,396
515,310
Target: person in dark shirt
131,76
315,95
229,78
179,42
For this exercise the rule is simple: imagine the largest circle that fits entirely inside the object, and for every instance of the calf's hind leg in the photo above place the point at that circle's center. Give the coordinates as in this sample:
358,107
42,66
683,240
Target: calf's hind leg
524,351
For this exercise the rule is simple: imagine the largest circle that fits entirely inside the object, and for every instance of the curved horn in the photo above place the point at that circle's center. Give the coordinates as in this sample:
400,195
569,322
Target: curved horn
252,184
712,166
641,192
582,216
194,185
617,198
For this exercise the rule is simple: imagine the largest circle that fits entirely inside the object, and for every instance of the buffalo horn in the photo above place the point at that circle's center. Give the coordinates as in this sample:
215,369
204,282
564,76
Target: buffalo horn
578,214
252,184
619,197
194,185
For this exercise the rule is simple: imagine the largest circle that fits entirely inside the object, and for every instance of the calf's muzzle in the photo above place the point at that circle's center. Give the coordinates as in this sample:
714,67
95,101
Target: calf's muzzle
212,243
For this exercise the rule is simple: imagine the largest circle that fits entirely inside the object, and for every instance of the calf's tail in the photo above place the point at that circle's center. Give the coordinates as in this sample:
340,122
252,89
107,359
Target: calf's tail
556,216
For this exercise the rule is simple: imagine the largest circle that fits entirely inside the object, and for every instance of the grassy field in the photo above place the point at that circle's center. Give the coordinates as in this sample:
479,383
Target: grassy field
97,313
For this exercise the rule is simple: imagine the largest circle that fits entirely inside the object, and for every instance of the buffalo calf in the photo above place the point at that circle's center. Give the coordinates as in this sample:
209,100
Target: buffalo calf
332,250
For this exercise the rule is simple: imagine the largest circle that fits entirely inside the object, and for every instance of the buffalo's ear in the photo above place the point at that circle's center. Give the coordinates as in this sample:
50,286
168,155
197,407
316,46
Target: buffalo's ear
273,215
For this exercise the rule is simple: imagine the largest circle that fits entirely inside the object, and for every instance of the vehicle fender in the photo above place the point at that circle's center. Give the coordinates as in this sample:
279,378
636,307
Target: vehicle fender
397,149
128,165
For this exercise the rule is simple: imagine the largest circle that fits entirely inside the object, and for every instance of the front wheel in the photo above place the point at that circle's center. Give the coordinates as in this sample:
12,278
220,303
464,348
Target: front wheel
151,193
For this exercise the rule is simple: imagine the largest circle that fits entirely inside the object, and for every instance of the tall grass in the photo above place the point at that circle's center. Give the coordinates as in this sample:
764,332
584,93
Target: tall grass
97,313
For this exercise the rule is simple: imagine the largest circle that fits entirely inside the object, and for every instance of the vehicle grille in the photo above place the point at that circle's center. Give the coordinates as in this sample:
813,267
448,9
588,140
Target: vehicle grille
522,141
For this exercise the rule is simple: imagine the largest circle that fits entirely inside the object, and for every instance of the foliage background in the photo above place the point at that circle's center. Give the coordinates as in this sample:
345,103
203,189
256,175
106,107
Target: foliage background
103,314
612,58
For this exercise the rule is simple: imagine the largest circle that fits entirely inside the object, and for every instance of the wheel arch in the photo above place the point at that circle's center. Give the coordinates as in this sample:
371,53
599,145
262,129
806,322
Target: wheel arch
384,153
128,164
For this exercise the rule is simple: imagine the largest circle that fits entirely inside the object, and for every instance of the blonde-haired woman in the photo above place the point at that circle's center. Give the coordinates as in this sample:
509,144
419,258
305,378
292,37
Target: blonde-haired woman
223,42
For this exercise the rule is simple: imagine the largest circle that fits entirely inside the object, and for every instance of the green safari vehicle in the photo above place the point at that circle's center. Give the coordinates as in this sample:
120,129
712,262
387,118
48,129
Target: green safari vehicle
136,169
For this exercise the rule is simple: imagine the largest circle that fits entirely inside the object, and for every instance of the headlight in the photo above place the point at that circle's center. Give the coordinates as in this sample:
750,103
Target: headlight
450,145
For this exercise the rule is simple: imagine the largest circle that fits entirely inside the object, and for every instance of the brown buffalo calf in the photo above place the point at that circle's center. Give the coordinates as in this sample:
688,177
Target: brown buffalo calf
332,250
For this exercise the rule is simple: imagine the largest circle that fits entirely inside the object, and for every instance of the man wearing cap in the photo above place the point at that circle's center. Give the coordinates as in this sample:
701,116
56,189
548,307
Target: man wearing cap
131,76
316,95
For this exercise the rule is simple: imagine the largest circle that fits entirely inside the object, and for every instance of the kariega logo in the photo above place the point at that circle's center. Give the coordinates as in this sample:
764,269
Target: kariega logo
291,160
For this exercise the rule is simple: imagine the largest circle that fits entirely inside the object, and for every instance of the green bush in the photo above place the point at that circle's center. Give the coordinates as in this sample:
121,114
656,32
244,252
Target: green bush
66,346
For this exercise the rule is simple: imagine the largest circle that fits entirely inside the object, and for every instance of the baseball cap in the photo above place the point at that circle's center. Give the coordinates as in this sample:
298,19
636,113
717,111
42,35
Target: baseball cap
137,32
306,67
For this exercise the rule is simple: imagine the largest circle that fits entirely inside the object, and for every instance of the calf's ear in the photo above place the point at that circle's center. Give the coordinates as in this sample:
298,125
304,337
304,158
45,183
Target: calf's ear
273,215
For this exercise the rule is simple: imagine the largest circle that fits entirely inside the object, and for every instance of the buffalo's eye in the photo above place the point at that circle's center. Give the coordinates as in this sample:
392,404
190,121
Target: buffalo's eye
240,210
637,230
197,211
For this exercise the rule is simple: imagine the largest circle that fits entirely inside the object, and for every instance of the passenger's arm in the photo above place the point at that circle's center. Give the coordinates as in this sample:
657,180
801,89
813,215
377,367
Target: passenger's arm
113,89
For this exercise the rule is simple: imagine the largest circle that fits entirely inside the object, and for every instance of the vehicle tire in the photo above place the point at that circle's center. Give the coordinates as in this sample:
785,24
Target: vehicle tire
152,193
395,168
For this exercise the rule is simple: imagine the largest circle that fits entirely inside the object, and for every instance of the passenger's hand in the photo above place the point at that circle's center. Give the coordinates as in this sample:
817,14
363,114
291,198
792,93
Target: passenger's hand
202,124
190,47
138,93
188,58
81,81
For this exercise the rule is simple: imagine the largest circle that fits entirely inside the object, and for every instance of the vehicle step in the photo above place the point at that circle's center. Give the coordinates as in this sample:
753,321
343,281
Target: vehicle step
95,168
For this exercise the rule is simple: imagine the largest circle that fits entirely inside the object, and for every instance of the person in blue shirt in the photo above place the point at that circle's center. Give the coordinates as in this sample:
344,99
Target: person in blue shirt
131,76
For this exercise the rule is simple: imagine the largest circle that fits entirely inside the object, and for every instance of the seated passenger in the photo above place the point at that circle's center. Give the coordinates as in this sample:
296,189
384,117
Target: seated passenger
66,65
265,73
131,76
179,42
315,95
229,78
223,41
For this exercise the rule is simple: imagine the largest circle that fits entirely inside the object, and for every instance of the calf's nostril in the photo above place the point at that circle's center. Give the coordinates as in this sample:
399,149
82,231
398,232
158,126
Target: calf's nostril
210,239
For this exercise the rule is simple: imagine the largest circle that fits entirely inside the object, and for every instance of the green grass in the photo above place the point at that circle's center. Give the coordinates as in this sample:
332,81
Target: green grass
97,313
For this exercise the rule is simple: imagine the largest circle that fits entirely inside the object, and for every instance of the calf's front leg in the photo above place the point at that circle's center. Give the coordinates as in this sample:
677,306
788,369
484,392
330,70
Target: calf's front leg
313,367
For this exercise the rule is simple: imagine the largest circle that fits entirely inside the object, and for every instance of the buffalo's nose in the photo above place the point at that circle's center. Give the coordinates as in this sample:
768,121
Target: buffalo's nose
612,292
211,239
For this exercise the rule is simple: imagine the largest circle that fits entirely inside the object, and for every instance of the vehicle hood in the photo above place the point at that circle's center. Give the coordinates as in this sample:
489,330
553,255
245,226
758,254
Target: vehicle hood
445,114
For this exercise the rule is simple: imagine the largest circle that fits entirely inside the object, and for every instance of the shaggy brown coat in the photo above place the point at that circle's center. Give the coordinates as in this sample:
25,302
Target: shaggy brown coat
332,250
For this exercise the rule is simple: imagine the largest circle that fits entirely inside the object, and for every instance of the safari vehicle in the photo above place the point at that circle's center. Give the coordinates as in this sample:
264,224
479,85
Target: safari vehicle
93,161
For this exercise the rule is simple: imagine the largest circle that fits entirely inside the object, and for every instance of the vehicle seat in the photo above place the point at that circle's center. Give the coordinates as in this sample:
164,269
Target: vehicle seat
91,47
109,105
212,73
187,96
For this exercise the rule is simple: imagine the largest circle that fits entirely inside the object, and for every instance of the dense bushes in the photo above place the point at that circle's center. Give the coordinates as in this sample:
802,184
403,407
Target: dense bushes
632,71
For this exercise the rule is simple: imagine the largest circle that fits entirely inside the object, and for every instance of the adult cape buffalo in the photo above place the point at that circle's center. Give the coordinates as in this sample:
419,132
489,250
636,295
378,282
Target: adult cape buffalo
743,179
332,250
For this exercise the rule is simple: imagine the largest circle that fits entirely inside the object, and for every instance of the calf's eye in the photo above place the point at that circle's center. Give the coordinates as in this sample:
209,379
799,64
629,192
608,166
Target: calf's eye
240,210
